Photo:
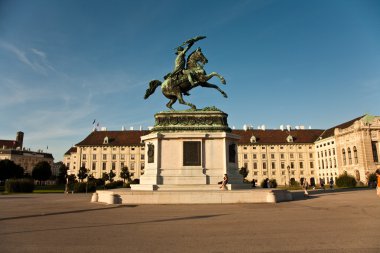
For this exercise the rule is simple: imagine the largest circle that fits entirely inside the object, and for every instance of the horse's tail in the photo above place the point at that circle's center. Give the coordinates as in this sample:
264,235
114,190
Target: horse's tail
152,87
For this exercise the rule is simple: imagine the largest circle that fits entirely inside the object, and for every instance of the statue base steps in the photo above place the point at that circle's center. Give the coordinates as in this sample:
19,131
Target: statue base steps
129,197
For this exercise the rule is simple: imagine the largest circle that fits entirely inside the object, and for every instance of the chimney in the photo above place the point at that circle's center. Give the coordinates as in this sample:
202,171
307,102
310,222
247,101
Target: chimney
20,139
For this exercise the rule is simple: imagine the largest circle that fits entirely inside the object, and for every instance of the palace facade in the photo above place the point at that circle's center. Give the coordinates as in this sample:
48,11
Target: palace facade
284,154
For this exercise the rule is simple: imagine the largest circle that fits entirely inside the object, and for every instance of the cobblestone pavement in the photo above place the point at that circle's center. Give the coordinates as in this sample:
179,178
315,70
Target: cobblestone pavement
331,221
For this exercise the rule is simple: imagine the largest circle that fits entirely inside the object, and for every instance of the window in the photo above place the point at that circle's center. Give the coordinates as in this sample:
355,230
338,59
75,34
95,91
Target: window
122,157
282,156
272,156
355,155
93,165
301,165
254,156
255,173
132,166
282,172
282,165
264,173
374,152
142,156
132,149
311,165
301,172
263,156
273,165
245,165
94,157
330,163
113,157
292,165
84,156
121,165
310,155
291,155
349,156
273,173
132,156
245,147
344,156
245,156
104,165
104,157
113,165
300,155
255,166
329,152
333,151
262,147
142,166
264,165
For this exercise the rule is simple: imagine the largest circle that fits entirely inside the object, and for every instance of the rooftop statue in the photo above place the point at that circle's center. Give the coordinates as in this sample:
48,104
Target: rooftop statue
185,76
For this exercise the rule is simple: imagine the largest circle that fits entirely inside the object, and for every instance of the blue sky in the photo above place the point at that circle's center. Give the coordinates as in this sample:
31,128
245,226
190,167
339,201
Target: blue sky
65,63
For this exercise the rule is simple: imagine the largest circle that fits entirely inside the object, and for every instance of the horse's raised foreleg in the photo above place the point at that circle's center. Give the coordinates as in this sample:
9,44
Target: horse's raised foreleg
210,85
181,101
212,74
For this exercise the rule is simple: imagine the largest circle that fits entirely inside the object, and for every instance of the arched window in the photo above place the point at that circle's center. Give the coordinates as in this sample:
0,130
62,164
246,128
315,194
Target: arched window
349,156
330,163
344,156
355,155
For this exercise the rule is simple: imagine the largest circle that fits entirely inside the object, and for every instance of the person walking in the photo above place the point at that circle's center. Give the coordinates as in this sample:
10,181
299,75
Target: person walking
378,182
305,185
331,184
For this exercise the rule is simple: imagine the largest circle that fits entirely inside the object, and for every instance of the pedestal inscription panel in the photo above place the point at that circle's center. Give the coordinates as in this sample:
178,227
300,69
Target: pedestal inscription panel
191,153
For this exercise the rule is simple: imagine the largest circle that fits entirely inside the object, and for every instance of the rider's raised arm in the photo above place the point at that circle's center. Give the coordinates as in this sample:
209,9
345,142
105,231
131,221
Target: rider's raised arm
188,47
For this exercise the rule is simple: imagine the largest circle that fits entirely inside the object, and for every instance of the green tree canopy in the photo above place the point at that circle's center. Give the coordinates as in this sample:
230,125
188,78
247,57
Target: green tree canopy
42,171
124,174
111,176
8,169
62,174
82,173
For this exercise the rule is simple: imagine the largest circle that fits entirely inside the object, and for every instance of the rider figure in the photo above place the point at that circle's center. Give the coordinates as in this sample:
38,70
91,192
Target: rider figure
180,63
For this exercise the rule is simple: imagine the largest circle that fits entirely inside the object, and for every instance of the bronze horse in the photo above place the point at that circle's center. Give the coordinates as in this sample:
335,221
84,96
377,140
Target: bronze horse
174,88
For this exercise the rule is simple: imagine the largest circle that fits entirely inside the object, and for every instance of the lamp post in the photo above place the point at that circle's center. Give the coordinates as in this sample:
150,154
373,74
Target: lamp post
289,175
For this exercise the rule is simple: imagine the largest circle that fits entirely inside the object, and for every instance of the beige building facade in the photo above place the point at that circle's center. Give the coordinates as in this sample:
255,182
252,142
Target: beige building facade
285,155
14,150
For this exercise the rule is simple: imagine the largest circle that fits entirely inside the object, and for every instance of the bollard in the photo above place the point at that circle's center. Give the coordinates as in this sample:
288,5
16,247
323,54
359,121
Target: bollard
94,197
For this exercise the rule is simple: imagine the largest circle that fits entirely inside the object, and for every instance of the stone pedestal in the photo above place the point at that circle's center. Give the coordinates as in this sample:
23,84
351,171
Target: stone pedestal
189,149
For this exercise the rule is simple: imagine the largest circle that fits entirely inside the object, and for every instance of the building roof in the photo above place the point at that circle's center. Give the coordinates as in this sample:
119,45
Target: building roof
26,153
9,144
274,136
115,138
330,132
71,150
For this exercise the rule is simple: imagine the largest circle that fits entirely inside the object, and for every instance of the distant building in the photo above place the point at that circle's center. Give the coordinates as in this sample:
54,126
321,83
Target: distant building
14,150
285,154
102,151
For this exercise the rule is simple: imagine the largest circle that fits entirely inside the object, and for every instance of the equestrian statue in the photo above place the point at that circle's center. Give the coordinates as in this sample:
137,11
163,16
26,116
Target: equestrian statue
185,76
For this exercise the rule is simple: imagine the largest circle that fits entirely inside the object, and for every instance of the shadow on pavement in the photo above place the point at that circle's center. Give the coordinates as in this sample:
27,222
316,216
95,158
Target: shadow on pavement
65,212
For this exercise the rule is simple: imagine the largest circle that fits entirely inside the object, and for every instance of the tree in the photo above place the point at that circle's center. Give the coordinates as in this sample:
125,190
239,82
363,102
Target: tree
105,176
62,174
42,171
243,171
124,174
8,169
82,173
111,175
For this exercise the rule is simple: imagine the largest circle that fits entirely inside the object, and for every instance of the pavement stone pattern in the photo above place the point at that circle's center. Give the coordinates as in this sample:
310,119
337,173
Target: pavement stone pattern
341,221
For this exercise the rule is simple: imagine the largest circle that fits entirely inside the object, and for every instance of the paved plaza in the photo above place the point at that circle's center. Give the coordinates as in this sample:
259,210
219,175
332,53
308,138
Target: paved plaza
332,221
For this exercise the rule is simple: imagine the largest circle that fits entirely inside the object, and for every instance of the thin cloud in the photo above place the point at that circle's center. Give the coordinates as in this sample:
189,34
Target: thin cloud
34,58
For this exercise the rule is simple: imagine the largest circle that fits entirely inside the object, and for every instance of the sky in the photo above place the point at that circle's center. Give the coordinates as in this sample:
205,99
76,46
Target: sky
64,64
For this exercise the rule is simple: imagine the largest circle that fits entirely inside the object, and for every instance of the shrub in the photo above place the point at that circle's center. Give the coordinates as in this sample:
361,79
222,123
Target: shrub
272,183
19,185
345,180
372,180
113,185
81,187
